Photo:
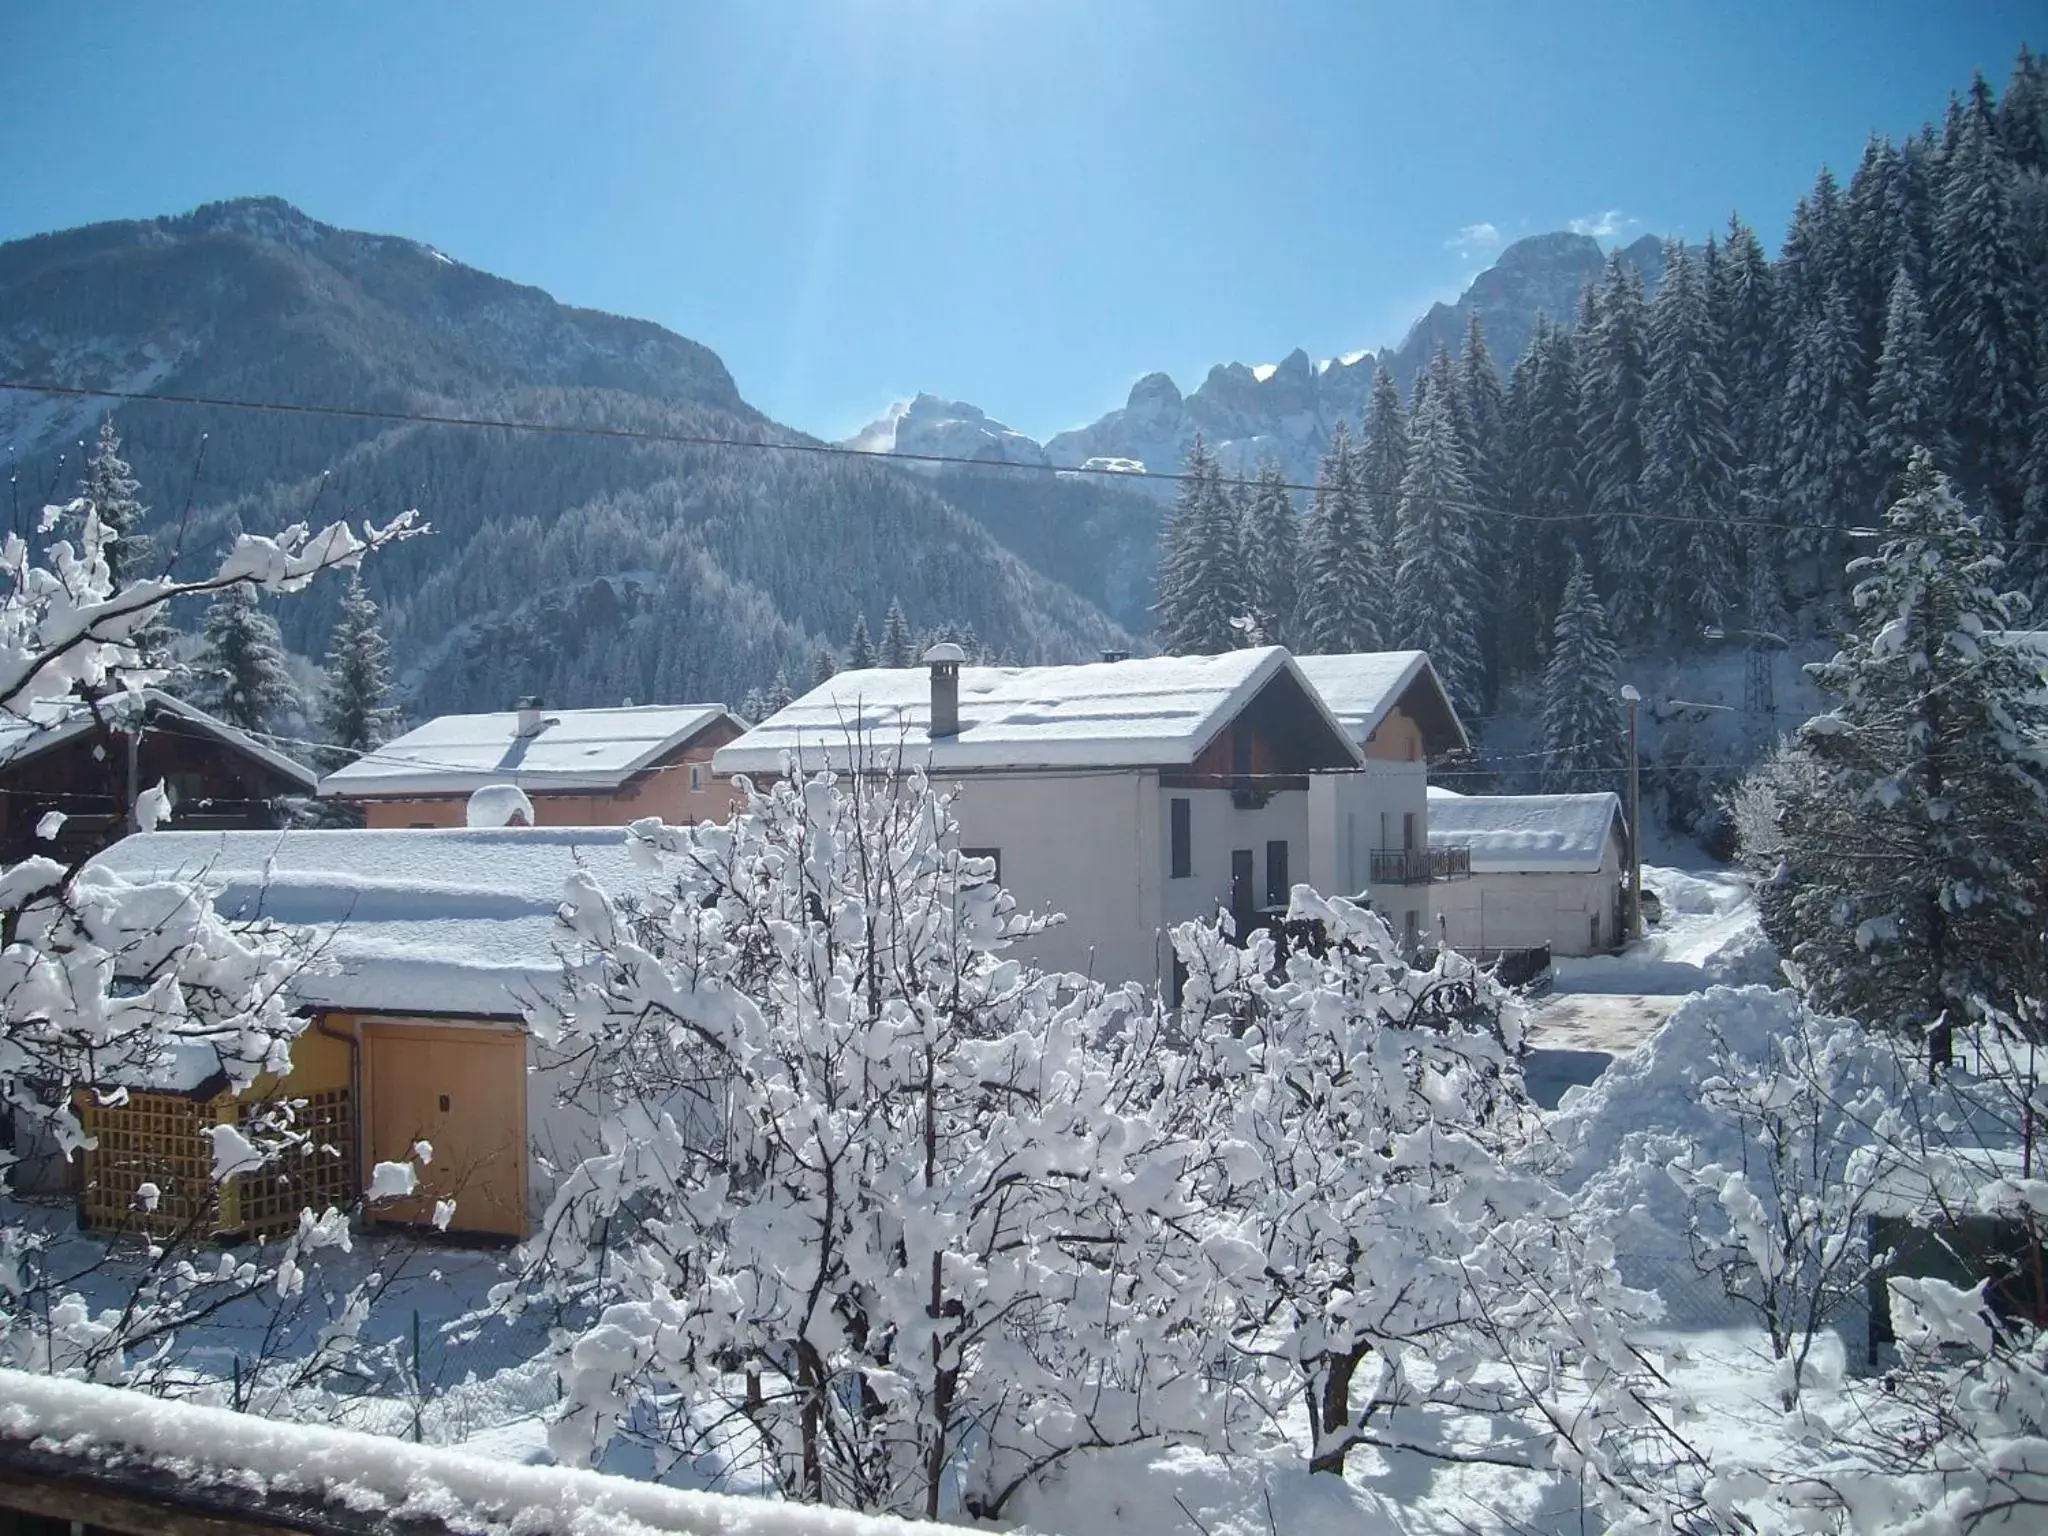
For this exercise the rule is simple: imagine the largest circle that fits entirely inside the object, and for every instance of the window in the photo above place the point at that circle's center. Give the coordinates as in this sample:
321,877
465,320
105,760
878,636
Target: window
1277,883
993,855
1183,853
1408,830
1385,836
696,777
1411,928
1176,983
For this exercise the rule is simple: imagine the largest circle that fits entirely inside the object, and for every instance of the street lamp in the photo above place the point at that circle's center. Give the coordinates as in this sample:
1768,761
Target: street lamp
1631,698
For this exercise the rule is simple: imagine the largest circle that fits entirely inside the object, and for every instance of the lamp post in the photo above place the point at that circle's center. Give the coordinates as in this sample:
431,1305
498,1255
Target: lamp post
1635,826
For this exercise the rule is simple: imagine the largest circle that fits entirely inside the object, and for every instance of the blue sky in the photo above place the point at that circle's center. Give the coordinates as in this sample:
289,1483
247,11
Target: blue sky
1022,203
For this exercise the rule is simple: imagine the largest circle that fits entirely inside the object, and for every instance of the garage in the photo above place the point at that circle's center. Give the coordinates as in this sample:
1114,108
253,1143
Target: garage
462,1089
1547,870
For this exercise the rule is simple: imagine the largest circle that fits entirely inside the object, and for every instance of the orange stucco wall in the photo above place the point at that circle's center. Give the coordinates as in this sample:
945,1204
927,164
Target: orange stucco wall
663,791
1398,739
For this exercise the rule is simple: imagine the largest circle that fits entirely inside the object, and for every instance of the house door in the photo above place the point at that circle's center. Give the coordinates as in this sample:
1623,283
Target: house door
1241,887
463,1091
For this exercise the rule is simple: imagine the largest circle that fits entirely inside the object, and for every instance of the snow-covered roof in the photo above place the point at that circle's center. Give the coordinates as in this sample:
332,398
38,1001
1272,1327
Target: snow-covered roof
573,749
47,723
447,920
1157,711
1361,687
1547,833
234,1466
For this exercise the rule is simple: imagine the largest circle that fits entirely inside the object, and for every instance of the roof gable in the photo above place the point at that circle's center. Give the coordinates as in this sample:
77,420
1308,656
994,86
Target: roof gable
51,722
1362,688
575,749
1157,712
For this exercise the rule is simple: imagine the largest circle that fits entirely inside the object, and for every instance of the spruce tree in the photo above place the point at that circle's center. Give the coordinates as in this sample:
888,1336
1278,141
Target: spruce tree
1272,557
1823,448
1688,451
1925,909
780,694
1905,413
896,650
241,674
1552,493
1201,582
111,490
1437,569
355,706
1582,722
1382,456
824,666
1482,426
2023,114
1614,373
1343,581
860,651
1744,307
1984,315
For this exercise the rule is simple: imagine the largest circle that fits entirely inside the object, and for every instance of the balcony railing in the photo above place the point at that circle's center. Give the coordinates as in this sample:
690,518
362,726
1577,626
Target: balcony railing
1419,866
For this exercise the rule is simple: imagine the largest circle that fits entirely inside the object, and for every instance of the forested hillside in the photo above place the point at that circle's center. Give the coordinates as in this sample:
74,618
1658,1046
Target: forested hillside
585,568
1710,456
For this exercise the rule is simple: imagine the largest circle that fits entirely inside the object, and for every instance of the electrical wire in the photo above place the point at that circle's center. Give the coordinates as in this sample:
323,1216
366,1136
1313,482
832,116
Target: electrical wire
836,450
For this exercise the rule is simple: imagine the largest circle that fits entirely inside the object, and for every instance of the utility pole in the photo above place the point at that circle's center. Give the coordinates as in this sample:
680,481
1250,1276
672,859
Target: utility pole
1635,824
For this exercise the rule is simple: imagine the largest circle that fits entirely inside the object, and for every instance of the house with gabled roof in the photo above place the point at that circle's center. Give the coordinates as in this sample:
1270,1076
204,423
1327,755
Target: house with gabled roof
88,761
1546,870
1127,794
579,767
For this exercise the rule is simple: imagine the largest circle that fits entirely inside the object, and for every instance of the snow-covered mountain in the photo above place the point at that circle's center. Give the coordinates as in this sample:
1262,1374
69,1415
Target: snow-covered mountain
585,568
1286,410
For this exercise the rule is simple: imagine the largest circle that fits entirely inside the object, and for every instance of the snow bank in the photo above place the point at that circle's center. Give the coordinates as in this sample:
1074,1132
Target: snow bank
1153,1491
499,805
255,1459
1645,1109
1708,936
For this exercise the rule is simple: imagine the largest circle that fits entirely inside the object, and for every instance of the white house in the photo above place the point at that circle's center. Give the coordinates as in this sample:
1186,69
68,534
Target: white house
1369,830
1128,795
1546,869
431,942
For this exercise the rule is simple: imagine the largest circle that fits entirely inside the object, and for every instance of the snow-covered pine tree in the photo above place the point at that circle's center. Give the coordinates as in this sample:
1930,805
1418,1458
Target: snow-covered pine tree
1822,448
1744,304
240,673
1906,411
1272,557
1343,581
1923,901
1437,570
1582,723
1551,496
1382,456
896,649
780,694
824,666
355,707
1613,373
1688,451
1482,428
1201,582
1880,245
1814,257
754,706
1985,315
110,488
2023,114
860,650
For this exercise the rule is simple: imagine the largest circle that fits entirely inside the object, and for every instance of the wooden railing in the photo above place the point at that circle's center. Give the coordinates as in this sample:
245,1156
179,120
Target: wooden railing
1419,866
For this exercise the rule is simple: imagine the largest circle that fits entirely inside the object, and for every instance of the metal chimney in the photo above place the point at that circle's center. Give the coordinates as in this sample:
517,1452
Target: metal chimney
944,659
530,720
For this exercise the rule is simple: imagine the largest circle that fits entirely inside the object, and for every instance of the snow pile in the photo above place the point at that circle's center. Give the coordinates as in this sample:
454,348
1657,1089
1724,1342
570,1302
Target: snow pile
1708,935
1646,1108
250,1460
1151,1491
499,805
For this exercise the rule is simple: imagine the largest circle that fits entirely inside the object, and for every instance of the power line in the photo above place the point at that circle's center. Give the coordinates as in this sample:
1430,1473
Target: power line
836,450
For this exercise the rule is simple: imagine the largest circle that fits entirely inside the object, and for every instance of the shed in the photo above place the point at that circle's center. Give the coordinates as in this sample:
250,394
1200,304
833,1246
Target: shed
432,943
88,759
1546,870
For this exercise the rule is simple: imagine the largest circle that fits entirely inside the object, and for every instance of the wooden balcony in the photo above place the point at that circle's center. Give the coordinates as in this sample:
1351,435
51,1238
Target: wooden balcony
1420,866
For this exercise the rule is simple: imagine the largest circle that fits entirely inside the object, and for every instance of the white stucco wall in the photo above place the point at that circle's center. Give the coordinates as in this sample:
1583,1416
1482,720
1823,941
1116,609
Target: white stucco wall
1516,910
1351,815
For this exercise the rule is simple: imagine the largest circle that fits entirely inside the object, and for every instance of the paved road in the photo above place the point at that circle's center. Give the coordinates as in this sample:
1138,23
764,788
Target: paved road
1574,1035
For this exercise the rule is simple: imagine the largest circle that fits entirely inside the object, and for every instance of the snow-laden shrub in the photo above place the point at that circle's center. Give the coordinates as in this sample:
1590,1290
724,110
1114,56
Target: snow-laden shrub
885,1217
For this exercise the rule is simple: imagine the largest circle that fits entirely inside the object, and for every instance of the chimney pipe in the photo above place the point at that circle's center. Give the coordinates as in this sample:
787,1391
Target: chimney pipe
944,659
530,720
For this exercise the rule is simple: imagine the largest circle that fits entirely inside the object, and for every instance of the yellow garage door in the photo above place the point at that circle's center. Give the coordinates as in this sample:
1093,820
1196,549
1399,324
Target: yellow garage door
463,1091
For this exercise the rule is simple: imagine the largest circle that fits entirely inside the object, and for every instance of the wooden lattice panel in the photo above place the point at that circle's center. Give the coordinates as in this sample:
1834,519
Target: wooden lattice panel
313,1177
154,1138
